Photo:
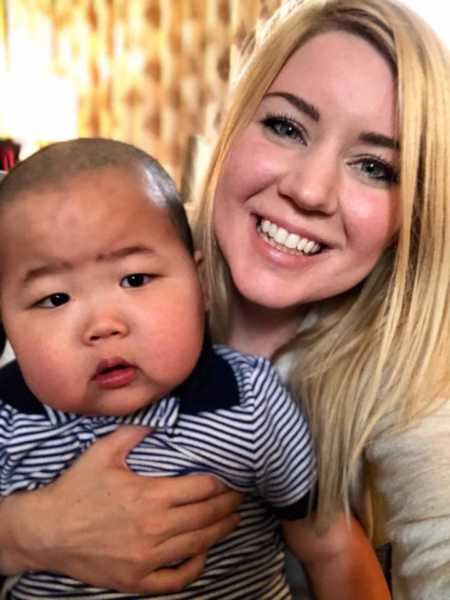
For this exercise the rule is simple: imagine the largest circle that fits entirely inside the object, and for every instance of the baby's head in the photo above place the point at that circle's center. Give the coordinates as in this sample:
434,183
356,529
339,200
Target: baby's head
99,291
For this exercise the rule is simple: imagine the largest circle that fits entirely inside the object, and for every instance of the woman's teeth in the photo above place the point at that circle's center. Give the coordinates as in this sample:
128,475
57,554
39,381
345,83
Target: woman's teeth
282,239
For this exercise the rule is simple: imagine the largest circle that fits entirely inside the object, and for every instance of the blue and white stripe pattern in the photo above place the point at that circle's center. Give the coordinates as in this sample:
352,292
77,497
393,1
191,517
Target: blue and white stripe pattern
232,417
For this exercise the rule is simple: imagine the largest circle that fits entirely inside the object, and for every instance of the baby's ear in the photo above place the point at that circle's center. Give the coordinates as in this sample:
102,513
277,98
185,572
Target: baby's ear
200,263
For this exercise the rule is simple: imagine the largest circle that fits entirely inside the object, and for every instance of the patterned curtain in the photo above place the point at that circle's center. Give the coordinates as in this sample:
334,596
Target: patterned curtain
150,72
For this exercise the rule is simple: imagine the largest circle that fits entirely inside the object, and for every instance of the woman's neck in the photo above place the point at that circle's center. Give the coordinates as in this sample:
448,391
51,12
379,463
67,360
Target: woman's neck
258,330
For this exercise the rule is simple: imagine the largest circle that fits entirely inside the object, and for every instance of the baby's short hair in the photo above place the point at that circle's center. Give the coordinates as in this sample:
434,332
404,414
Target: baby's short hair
58,162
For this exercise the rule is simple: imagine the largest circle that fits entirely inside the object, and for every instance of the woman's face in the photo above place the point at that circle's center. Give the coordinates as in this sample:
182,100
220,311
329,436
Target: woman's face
308,198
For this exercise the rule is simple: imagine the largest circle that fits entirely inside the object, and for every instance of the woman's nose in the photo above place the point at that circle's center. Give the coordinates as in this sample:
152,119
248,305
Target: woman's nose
101,327
311,183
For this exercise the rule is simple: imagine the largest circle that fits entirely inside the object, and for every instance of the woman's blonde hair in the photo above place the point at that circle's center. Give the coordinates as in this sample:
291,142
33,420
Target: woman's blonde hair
378,356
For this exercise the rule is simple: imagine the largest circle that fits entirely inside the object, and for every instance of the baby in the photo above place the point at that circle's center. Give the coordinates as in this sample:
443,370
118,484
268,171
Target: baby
101,301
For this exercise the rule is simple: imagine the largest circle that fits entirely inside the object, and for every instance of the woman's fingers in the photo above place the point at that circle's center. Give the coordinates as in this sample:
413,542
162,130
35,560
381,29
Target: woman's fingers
187,489
200,515
195,542
114,448
175,533
170,581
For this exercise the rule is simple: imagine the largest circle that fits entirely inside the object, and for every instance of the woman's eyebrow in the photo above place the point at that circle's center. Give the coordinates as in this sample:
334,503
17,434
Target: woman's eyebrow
378,139
309,109
370,137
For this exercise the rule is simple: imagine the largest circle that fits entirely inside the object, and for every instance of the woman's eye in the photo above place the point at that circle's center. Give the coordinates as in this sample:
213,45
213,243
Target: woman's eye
135,280
377,170
53,300
284,128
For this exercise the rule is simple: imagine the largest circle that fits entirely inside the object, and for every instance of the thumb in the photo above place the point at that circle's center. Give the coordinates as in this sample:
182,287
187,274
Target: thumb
114,448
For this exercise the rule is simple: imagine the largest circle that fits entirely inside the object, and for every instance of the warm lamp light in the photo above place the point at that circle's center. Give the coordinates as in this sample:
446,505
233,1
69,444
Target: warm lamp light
37,109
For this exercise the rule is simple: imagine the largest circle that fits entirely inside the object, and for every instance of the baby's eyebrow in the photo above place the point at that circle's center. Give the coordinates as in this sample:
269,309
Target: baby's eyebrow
58,267
51,268
124,252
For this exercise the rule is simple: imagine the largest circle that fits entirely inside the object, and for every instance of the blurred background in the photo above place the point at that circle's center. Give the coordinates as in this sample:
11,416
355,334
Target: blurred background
150,72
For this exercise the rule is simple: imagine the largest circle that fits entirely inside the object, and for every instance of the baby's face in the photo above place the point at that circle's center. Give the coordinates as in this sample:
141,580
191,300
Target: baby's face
99,297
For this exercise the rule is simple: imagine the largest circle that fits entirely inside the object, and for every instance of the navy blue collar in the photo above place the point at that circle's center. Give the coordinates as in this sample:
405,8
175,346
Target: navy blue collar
210,386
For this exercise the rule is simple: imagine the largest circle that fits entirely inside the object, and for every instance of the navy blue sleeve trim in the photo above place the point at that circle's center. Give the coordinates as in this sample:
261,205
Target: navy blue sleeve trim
2,340
298,510
14,391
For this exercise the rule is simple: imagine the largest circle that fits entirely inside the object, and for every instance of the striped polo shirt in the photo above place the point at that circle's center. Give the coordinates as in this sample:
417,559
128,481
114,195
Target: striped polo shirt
231,417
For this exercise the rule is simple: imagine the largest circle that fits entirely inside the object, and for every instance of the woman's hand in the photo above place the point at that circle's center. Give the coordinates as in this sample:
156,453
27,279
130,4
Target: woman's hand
104,525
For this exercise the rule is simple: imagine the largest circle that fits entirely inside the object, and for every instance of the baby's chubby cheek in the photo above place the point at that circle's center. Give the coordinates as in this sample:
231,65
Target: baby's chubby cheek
44,368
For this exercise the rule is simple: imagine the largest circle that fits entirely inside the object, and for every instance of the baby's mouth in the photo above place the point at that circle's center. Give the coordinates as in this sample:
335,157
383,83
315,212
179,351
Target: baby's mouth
114,373
110,365
280,238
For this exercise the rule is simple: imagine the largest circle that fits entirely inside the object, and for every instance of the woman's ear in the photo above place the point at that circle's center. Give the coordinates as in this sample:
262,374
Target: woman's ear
200,263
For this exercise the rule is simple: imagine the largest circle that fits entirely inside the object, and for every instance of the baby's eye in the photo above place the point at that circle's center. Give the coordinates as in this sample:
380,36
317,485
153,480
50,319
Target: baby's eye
135,280
284,128
377,170
53,300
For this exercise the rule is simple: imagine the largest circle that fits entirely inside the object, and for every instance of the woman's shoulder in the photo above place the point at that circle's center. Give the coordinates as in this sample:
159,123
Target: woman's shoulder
422,435
410,472
410,467
413,460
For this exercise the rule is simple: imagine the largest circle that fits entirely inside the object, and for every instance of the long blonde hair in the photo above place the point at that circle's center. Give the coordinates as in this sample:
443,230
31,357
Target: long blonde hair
378,354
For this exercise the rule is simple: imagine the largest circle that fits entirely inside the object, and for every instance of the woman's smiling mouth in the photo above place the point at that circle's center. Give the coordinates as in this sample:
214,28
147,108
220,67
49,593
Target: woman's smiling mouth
280,238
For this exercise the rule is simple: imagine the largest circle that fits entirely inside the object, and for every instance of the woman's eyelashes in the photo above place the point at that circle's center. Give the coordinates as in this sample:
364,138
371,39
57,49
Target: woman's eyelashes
374,168
377,169
285,127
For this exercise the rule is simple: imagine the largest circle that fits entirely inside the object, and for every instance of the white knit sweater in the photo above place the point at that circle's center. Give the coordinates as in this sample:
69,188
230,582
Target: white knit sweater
410,472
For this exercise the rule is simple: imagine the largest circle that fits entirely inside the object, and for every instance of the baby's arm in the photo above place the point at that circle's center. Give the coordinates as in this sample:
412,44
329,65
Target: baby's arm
341,563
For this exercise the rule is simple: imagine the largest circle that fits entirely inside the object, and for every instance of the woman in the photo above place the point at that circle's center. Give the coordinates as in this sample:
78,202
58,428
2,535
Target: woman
325,225
326,221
